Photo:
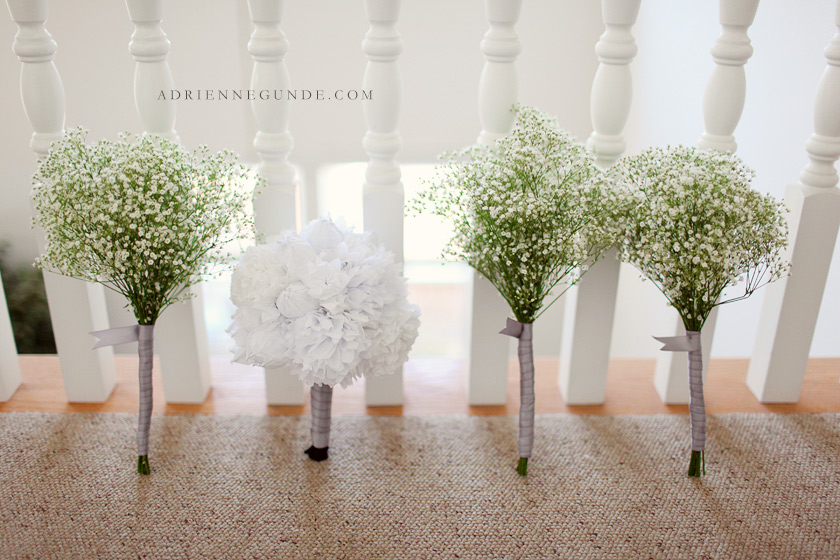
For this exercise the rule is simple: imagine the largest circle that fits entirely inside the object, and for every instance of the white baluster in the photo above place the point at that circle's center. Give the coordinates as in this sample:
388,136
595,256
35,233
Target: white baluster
9,365
76,307
590,305
150,47
723,104
275,207
792,304
180,332
498,91
383,191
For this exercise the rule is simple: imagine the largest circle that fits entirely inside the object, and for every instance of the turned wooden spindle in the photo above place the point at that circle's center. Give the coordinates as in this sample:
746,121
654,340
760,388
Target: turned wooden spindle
180,334
76,307
497,93
275,207
150,48
590,305
723,103
791,305
383,196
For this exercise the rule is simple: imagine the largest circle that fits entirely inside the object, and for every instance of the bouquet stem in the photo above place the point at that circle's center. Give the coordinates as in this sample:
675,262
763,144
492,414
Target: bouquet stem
526,397
696,408
145,350
321,405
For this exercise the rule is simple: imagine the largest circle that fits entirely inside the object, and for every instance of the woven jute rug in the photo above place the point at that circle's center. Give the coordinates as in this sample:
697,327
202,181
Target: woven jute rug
232,487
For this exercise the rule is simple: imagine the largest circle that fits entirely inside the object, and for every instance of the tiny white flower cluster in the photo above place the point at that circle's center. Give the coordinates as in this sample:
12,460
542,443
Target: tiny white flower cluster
142,216
329,304
697,227
530,213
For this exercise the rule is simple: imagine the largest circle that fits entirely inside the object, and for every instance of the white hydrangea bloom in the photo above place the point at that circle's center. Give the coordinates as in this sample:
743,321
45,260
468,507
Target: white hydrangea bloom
698,228
328,304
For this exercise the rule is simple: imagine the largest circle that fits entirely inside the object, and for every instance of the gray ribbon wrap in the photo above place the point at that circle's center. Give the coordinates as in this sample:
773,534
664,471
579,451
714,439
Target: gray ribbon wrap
144,335
524,332
320,401
696,403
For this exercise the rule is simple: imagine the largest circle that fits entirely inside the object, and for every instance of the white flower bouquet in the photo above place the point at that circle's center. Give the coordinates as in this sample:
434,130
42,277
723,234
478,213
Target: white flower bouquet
530,213
327,304
145,218
696,229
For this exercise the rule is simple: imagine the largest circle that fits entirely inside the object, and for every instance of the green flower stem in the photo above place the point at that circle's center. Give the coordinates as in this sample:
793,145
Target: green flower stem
143,464
697,464
522,467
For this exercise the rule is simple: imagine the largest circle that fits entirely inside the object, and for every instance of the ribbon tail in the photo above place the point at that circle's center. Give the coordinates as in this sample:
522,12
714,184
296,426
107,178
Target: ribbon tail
678,343
117,335
512,328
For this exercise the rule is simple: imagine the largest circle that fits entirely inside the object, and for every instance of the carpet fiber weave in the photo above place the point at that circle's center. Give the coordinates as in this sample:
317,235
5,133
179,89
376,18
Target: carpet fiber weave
603,487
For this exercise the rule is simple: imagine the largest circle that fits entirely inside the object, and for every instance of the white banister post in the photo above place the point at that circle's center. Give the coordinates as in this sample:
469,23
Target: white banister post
723,104
9,365
791,305
275,206
498,91
76,307
590,305
383,190
181,335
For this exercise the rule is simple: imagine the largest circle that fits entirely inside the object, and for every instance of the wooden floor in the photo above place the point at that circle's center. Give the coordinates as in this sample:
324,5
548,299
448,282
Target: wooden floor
432,386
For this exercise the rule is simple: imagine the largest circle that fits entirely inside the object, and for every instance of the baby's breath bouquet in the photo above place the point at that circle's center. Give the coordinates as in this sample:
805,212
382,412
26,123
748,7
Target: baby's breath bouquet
695,229
145,218
530,214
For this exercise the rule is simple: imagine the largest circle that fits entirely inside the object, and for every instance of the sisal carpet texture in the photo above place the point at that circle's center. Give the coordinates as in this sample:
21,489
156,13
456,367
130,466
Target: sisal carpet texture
231,487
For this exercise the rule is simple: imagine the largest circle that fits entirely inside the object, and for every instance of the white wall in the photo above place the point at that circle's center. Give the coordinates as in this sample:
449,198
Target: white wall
440,67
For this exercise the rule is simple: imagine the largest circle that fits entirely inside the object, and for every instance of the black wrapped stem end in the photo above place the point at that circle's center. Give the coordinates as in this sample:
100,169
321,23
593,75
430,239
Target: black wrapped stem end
318,453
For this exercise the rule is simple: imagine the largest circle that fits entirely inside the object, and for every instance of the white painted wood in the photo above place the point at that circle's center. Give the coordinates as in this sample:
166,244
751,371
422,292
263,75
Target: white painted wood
383,191
150,48
76,307
181,340
587,332
791,305
9,364
590,305
498,91
723,103
275,207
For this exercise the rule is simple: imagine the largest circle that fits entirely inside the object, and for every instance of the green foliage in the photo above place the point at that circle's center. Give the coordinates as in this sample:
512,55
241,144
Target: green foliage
28,310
